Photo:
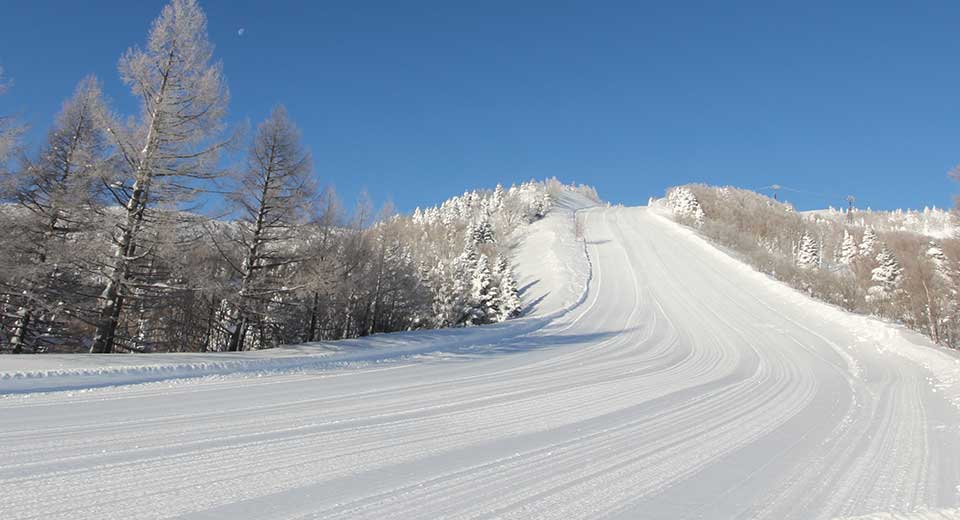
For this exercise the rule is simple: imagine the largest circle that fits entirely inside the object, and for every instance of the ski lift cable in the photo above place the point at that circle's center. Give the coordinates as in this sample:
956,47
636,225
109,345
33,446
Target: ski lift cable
780,187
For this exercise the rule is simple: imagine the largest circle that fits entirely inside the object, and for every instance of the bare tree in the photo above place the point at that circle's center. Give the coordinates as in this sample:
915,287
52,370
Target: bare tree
183,99
58,193
274,192
10,131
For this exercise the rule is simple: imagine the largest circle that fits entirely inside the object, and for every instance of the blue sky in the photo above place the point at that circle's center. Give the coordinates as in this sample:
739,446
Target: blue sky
417,101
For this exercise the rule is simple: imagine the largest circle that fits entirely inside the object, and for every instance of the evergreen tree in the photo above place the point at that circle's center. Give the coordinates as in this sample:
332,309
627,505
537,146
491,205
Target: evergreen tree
463,306
848,249
886,277
686,206
869,243
483,232
498,198
888,270
508,305
483,294
808,252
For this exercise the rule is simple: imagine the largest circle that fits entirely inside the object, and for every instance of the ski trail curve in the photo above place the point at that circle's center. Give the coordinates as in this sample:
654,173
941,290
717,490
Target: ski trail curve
675,387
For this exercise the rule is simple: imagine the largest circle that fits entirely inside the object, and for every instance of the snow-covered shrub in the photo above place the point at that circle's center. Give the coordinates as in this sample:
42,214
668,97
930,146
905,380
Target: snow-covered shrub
685,205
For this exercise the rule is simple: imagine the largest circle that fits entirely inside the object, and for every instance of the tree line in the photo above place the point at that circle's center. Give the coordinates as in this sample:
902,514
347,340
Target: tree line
862,261
102,252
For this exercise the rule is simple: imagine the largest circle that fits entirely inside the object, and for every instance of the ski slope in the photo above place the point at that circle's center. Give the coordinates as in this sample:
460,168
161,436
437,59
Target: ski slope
654,378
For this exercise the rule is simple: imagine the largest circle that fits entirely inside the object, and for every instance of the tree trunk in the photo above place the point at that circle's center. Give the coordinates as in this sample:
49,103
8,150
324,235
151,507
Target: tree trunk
20,328
314,310
112,298
238,335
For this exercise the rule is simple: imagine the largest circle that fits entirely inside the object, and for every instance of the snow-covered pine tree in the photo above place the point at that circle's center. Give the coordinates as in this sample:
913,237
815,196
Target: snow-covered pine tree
888,270
483,294
540,207
462,306
509,295
483,232
808,252
848,249
869,243
498,196
685,206
886,277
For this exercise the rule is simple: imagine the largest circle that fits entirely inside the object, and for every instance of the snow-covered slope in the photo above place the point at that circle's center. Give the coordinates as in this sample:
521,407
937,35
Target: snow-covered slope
552,266
680,384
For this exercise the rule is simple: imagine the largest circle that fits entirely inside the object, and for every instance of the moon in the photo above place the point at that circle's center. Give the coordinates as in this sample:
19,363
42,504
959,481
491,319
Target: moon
241,31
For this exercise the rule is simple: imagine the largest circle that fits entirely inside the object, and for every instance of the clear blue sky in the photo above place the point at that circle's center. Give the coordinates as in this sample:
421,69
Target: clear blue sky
417,101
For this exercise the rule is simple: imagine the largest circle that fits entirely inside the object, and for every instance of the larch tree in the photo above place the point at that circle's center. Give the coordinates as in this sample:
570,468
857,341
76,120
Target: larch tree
274,193
169,149
10,131
59,193
320,273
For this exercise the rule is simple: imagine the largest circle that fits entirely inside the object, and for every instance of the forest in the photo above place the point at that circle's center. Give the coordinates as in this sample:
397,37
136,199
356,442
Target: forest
109,244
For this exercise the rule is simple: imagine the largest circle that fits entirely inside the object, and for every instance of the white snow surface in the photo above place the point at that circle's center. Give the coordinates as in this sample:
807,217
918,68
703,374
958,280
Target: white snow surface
654,377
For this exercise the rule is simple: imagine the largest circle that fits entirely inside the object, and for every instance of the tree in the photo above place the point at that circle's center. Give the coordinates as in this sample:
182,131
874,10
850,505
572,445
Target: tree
459,301
848,249
483,294
808,252
508,294
183,98
938,280
483,231
685,206
886,277
59,195
274,192
869,243
10,131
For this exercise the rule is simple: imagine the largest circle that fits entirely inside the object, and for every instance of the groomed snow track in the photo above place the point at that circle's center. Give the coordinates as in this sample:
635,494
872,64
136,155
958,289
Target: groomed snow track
683,385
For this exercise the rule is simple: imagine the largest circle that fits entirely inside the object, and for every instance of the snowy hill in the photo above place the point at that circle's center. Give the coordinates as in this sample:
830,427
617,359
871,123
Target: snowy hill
934,222
654,377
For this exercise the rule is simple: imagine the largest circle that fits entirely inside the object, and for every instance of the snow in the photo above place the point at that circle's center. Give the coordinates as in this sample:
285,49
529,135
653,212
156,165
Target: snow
927,514
653,377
